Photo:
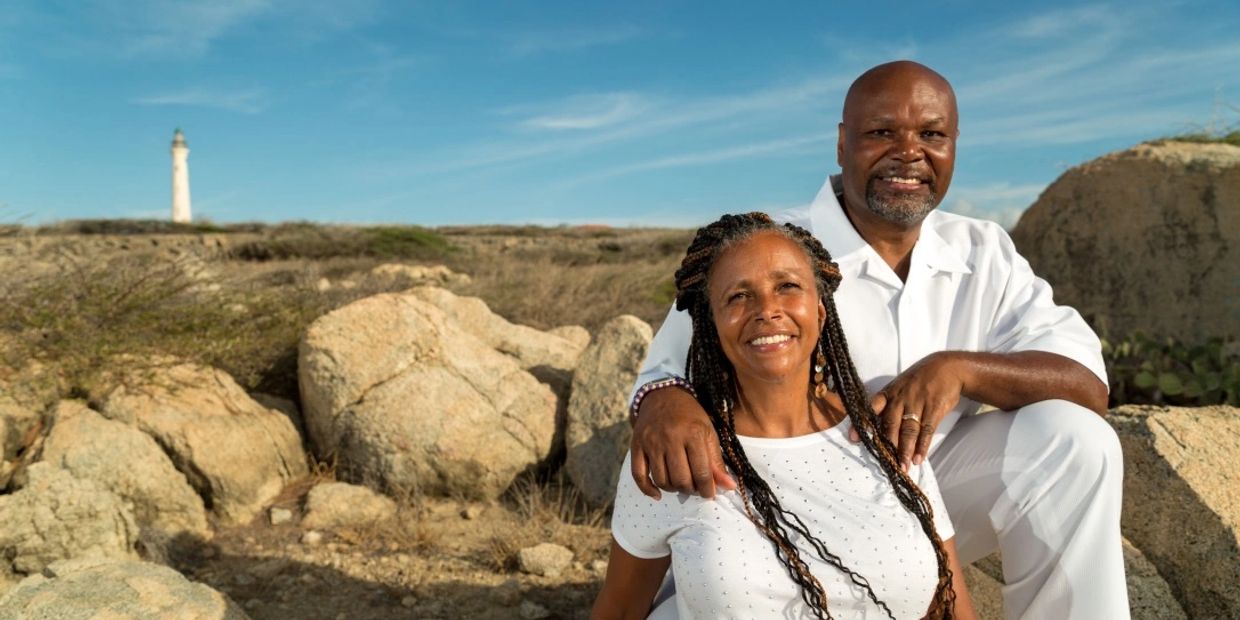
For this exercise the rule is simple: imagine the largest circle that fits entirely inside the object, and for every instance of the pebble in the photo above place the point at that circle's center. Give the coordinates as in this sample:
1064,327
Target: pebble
599,567
546,559
408,601
280,516
253,603
469,513
312,538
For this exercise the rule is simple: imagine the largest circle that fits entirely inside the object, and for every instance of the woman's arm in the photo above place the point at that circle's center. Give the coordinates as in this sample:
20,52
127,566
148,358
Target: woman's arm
964,603
630,586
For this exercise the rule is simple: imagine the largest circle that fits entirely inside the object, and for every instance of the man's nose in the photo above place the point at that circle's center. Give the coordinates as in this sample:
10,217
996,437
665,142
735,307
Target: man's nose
907,147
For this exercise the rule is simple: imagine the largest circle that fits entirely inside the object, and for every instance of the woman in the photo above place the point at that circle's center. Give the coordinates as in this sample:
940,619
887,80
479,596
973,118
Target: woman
818,526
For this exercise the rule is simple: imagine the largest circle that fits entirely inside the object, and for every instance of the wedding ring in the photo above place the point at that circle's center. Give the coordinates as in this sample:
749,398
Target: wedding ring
912,416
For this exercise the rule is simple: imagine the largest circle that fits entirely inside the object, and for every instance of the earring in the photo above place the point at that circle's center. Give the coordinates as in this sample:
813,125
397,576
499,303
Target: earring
820,364
821,387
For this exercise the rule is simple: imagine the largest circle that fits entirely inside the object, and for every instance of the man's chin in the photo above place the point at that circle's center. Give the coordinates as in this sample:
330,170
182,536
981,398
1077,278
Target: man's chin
904,210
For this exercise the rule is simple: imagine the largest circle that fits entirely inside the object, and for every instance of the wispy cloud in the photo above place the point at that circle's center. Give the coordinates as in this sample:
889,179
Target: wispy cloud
180,29
591,112
538,42
999,202
250,101
1060,22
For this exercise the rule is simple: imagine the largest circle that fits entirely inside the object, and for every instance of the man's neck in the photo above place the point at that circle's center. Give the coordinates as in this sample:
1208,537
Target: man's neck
893,242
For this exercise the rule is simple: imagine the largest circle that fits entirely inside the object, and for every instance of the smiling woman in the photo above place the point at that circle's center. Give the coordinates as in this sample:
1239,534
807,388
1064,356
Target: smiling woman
818,526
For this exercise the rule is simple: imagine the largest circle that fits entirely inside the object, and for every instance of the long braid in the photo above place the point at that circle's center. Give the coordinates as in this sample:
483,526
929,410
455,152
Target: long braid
714,380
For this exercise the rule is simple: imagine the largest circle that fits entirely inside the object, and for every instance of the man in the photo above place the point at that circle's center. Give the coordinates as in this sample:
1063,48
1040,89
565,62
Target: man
942,316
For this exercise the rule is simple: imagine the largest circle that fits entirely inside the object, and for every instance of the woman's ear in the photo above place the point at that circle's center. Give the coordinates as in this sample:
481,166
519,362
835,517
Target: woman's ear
822,316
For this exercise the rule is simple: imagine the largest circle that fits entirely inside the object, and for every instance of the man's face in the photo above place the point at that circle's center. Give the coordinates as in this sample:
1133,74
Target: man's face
897,145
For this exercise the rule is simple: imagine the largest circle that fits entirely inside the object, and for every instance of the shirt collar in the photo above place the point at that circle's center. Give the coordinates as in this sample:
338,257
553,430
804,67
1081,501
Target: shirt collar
832,227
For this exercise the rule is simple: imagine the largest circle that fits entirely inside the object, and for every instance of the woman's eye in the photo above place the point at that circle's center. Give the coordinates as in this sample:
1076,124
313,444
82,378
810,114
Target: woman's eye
789,285
735,297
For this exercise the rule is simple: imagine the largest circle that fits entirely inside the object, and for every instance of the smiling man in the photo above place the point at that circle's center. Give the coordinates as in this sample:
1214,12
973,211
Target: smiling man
942,317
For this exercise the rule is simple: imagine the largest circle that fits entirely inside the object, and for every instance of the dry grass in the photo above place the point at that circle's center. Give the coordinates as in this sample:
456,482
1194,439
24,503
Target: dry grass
548,512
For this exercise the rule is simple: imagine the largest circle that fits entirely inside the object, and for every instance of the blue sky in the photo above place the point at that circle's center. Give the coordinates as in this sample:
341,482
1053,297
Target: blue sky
634,113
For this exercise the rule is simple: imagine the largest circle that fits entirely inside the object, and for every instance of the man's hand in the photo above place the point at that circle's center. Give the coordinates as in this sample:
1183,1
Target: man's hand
912,405
675,448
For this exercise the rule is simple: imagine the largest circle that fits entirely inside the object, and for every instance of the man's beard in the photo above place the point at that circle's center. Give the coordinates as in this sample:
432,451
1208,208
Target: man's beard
909,209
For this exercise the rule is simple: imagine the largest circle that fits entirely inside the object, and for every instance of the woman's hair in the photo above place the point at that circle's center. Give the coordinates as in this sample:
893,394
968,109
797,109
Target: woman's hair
714,380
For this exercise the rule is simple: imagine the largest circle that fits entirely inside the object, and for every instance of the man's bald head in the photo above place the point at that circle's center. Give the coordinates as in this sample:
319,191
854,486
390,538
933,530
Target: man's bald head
884,76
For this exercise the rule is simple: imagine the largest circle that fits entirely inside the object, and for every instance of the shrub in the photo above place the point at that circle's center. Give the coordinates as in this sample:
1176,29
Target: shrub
318,242
1146,370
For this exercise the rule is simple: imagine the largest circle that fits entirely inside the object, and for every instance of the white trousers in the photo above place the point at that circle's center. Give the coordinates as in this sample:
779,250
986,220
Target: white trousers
1042,485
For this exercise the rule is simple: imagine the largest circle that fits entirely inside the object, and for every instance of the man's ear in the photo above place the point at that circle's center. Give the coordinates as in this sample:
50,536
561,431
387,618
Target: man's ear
839,147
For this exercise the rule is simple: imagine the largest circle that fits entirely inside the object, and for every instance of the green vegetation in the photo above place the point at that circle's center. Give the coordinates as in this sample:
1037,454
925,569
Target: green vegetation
1230,137
1145,370
318,242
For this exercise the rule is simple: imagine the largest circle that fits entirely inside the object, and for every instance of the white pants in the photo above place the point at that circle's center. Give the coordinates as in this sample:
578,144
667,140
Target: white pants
1042,485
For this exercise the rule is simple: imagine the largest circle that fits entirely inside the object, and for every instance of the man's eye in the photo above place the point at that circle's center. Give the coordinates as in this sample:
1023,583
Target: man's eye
880,132
933,134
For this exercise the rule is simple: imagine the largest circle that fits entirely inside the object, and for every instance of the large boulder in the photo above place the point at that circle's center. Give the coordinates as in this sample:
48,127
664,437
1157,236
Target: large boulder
19,427
598,431
550,356
236,453
126,461
407,400
1180,503
59,517
1144,239
112,589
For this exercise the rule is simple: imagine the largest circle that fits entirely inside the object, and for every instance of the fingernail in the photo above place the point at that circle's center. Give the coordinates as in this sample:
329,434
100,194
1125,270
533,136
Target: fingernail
906,465
917,460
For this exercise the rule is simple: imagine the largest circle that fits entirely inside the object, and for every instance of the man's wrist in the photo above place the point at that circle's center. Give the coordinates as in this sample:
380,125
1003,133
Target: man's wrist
657,384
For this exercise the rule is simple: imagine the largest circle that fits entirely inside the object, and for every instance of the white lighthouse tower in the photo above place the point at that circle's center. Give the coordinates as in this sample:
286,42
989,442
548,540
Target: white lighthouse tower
180,178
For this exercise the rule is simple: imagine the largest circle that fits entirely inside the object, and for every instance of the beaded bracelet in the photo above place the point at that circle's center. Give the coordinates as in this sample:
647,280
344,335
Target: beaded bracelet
658,384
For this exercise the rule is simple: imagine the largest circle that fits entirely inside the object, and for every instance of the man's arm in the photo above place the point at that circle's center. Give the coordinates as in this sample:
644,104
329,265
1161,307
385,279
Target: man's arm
674,445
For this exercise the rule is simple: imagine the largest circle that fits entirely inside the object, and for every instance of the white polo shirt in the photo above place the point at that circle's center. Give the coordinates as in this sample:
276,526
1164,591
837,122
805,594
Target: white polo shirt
967,290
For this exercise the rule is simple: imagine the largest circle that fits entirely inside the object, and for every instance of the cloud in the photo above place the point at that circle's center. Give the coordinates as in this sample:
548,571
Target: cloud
590,112
530,43
998,202
183,28
1061,22
250,101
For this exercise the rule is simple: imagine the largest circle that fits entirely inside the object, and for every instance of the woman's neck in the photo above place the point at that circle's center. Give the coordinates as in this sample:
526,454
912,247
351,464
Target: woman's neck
785,409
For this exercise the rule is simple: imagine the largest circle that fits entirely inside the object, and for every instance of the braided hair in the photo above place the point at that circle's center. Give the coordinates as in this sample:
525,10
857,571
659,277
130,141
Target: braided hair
714,380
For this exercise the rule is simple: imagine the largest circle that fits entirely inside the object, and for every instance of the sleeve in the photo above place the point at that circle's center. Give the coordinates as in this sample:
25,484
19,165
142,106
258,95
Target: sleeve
1027,318
668,350
929,485
640,525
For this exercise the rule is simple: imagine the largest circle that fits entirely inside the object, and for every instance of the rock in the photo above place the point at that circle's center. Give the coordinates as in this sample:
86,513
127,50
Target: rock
236,453
508,593
1180,505
469,513
533,349
598,428
58,517
411,275
405,399
127,462
107,589
576,334
19,427
599,568
323,285
312,538
339,504
545,559
408,601
529,610
1144,239
280,516
1149,595
283,405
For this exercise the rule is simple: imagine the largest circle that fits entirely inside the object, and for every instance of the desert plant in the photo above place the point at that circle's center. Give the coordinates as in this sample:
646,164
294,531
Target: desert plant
1147,370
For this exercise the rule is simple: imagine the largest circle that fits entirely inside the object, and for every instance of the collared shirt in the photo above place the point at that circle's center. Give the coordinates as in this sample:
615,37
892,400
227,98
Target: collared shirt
967,290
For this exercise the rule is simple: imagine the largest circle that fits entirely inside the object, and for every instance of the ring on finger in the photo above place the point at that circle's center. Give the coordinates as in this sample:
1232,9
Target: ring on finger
911,416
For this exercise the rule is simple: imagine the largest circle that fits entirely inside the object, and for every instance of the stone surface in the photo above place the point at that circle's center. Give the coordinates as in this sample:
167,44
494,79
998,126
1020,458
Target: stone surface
410,275
408,400
58,517
338,504
115,590
598,430
235,452
280,516
537,351
1144,239
545,559
576,334
19,427
127,462
1181,508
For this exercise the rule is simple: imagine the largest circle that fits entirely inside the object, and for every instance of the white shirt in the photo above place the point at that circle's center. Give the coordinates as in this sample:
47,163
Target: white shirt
724,567
967,290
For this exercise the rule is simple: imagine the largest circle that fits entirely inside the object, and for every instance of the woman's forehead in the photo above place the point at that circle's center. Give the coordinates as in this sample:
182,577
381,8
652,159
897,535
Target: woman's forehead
766,252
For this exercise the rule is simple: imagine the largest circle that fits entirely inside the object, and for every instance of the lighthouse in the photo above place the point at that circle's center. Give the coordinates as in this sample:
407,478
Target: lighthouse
180,178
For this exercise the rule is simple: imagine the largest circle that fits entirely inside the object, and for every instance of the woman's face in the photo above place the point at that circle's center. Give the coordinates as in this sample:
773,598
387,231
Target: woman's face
766,308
